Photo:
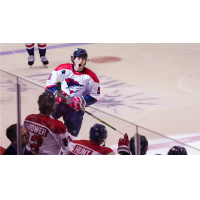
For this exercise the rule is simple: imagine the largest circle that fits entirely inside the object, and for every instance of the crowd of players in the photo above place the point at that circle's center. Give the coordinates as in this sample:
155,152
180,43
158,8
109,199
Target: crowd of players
44,134
52,144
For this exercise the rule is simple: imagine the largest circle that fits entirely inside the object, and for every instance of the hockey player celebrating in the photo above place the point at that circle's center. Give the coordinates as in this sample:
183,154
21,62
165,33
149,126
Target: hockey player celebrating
46,135
80,84
42,52
97,135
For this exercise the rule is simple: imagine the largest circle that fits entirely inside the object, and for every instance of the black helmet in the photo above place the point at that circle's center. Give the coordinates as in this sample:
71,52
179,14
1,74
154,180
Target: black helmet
80,53
176,150
143,143
98,132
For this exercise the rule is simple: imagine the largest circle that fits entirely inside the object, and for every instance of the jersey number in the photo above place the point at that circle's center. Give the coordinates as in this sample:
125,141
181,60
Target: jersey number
98,92
35,146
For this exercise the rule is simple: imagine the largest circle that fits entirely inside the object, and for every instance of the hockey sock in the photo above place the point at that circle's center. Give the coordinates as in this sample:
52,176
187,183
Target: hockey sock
30,49
42,49
42,52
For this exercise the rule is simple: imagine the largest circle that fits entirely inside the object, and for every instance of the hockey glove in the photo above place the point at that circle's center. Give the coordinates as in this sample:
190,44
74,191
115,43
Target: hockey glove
123,146
59,99
78,103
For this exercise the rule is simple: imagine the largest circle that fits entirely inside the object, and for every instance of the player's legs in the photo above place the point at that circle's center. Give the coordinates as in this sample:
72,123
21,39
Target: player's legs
42,52
30,50
72,119
73,122
60,111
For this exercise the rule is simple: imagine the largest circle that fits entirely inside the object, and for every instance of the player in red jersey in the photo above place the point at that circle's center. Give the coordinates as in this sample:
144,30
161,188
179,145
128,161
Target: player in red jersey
46,135
97,135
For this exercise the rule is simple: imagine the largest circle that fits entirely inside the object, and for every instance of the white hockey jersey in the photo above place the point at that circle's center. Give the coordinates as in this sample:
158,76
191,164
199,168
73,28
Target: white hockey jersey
85,147
75,83
46,135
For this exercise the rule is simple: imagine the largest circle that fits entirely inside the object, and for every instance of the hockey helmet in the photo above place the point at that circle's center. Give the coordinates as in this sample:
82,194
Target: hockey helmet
46,102
176,150
143,143
82,53
98,132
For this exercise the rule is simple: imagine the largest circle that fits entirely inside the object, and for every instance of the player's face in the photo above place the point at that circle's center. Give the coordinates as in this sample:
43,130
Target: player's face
79,63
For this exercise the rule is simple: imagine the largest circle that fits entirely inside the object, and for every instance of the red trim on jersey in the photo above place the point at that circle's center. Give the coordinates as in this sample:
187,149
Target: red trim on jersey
93,98
29,45
49,86
95,147
87,71
39,45
91,74
56,126
2,150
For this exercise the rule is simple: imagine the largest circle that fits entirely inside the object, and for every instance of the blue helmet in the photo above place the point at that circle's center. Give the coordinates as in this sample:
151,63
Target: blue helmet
82,53
98,132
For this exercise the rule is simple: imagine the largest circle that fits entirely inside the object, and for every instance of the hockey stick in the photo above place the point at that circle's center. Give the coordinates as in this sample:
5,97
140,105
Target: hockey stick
103,122
66,98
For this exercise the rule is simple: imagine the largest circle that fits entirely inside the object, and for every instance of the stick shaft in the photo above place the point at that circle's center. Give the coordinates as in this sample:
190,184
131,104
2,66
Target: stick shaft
103,122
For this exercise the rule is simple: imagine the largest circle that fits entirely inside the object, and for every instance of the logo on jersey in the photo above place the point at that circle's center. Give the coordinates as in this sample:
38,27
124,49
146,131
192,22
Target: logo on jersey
79,150
73,85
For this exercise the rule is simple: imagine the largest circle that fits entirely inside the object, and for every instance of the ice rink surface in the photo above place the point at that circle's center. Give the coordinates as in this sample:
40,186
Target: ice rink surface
156,86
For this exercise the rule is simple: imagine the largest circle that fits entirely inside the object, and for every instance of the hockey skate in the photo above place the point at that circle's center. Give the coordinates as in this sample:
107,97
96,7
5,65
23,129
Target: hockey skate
44,61
31,60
